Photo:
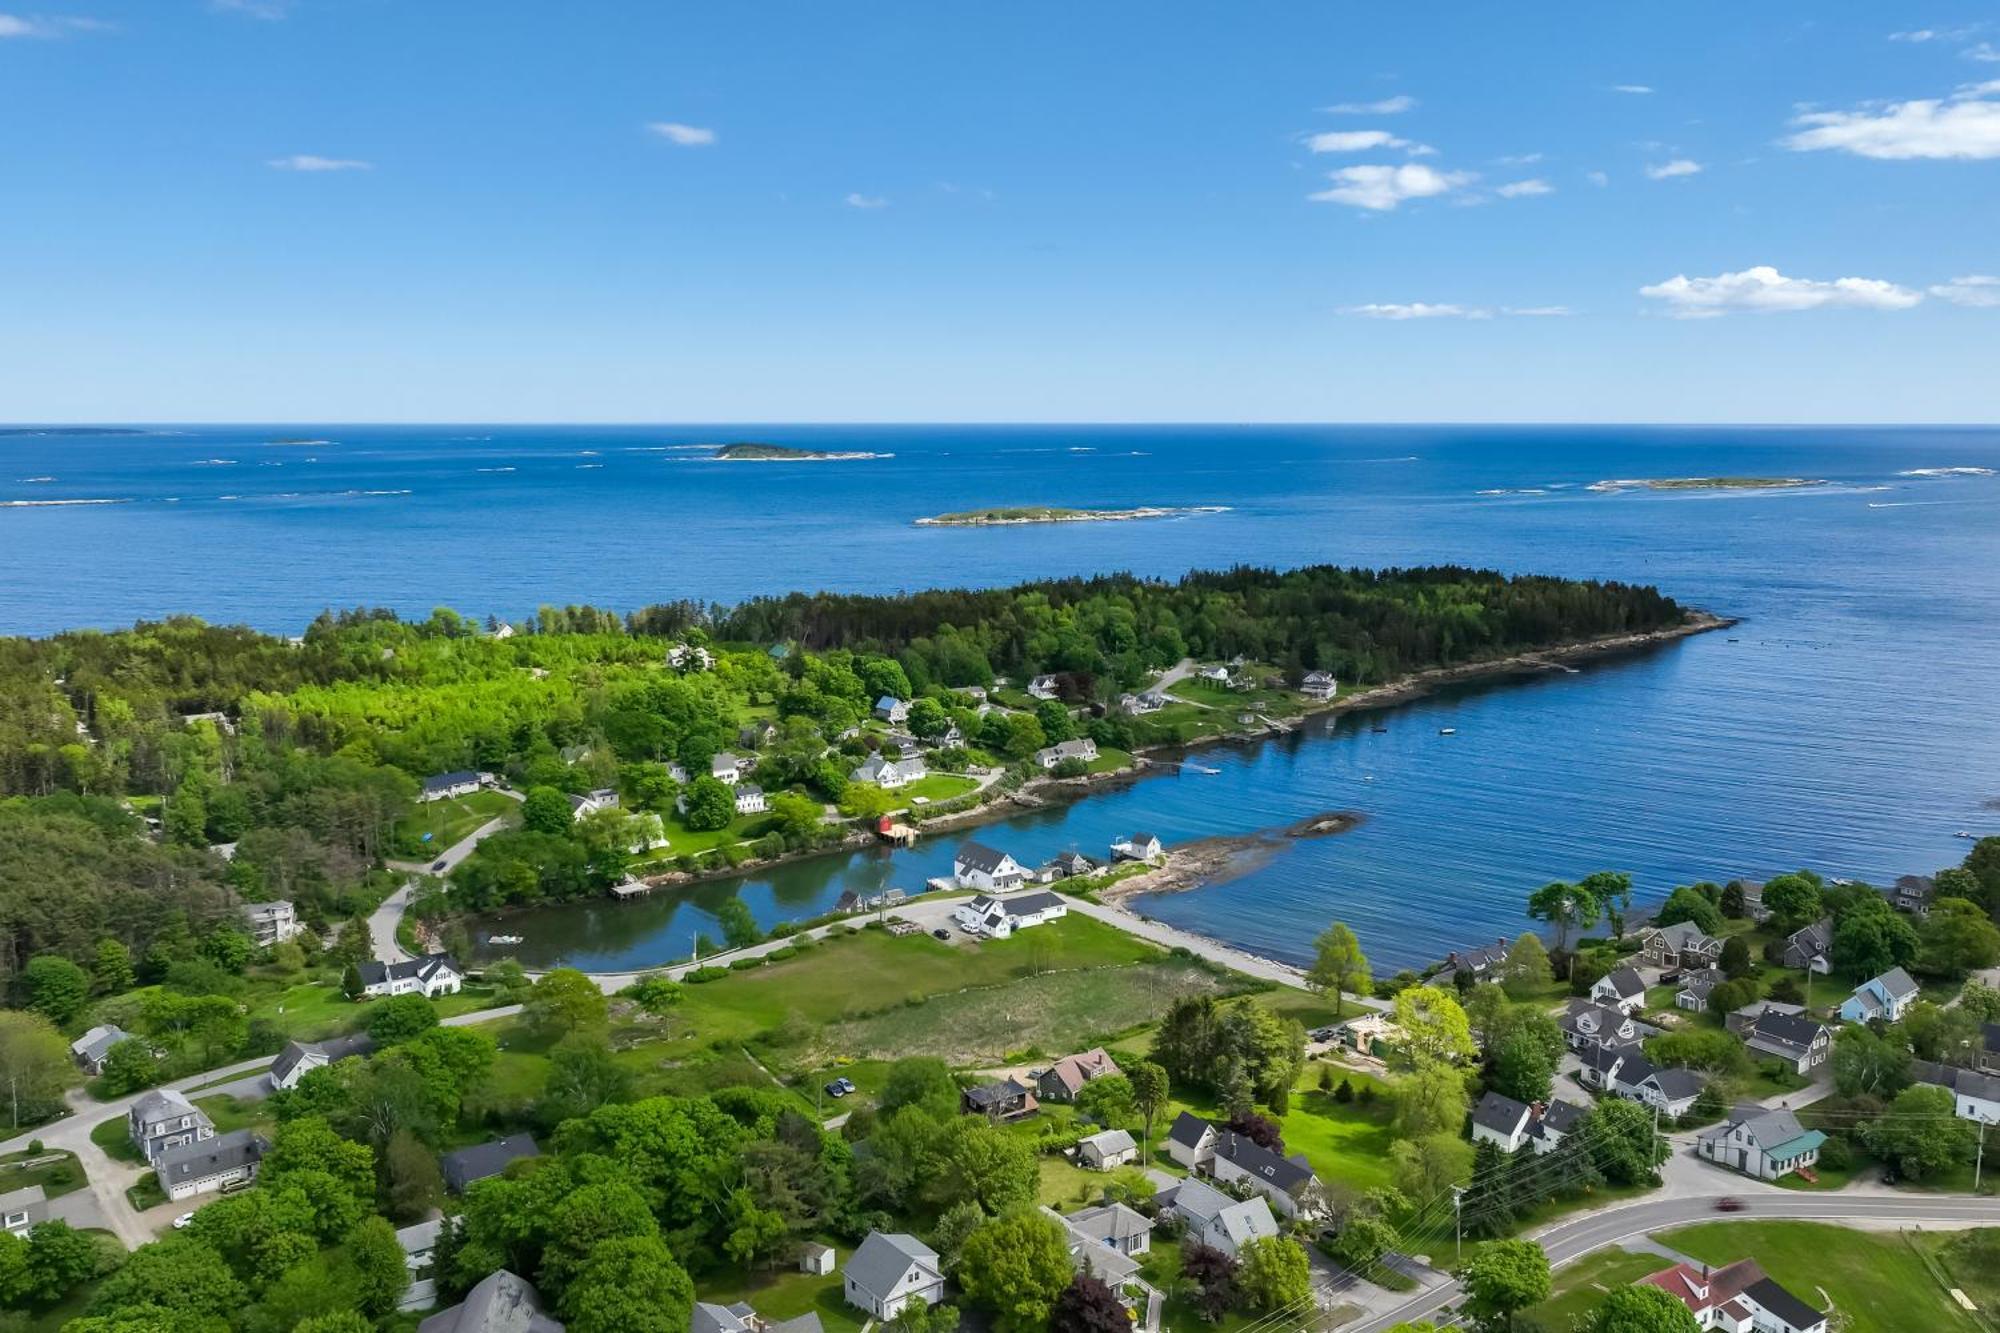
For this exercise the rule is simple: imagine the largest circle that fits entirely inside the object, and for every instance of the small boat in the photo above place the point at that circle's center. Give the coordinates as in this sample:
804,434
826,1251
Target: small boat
1378,730
505,939
1447,731
1963,834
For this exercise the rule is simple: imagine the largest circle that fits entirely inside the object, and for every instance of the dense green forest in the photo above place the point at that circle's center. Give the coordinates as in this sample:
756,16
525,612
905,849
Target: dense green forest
152,778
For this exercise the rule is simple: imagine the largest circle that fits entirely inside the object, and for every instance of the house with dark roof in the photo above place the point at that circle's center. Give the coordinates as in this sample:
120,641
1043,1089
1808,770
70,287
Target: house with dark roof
432,975
1066,865
1282,1180
162,1120
483,1161
1695,988
888,1271
998,918
220,1162
1622,989
1884,997
90,1049
1479,960
1191,1141
300,1058
1761,1142
1092,1256
443,786
1975,1095
740,1317
1753,897
1683,944
1558,1121
977,866
1213,1218
1502,1121
1061,1081
1737,1298
1800,1043
1741,1020
1913,894
500,1303
1586,1023
1008,1099
1624,1071
1810,948
24,1209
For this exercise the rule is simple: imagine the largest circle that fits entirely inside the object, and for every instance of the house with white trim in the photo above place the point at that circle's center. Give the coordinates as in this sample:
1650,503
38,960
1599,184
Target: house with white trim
430,976
1622,989
977,866
1884,997
1761,1142
888,1271
999,918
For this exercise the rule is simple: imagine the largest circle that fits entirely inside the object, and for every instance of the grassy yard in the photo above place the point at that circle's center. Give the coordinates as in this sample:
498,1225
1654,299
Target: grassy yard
116,1139
56,1178
1109,760
449,821
312,1011
936,787
1874,1283
785,1295
684,841
233,1113
1579,1287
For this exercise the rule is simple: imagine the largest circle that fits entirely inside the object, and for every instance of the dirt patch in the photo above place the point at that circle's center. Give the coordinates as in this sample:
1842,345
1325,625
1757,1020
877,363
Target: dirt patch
1213,860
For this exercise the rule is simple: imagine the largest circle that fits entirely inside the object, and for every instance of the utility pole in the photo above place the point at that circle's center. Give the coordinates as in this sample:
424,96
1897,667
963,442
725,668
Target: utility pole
1979,1159
1458,1220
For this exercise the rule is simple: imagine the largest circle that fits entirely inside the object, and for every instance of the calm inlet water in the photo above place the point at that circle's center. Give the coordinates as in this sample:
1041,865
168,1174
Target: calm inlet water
1850,723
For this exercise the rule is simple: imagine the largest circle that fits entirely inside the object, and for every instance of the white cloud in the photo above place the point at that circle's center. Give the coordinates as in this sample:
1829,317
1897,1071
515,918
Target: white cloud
855,199
1519,189
1637,89
1964,127
1666,171
1974,289
15,25
1382,188
1597,178
256,9
687,136
1520,159
1361,141
1765,290
1985,51
1388,106
314,162
1915,35
1415,310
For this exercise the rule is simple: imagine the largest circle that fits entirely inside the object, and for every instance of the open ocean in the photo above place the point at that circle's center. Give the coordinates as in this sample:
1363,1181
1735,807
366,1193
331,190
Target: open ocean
1851,723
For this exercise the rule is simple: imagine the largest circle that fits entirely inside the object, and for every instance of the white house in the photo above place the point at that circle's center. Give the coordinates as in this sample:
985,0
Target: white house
300,1058
978,866
1216,1220
432,975
1191,1141
1737,1298
1623,990
1218,673
1106,1150
750,799
1284,1181
892,710
998,918
91,1048
1502,1121
1149,701
218,1162
443,786
726,767
1138,847
1975,1095
889,1270
687,657
816,1258
1319,685
1084,749
887,773
162,1120
419,1242
1587,1024
1762,1143
602,798
24,1209
271,923
1884,997
1043,687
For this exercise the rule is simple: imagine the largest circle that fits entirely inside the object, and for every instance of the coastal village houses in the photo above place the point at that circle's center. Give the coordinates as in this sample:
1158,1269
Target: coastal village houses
892,710
1884,997
1737,1298
432,975
1214,1219
1042,687
1138,847
1319,686
1681,945
1064,1079
1810,949
1508,1124
300,1058
1763,1143
206,1166
999,918
977,866
1622,989
271,923
1800,1043
1106,1151
888,1271
1587,1024
1975,1095
1232,1159
1083,750
887,773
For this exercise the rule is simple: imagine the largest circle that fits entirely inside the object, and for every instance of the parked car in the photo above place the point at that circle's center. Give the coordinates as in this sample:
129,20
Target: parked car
438,864
181,1222
840,1087
942,933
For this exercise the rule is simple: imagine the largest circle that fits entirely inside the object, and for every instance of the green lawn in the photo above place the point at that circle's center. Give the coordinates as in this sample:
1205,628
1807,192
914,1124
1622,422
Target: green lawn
233,1113
936,787
684,841
1109,760
56,1178
449,821
312,1011
116,1139
782,1295
1579,1287
1874,1282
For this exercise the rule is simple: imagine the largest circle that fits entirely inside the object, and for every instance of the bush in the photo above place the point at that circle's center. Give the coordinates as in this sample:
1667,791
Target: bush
745,964
702,974
1836,1154
778,955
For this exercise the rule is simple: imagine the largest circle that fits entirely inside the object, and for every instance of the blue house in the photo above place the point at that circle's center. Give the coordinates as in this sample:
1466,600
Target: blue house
1884,997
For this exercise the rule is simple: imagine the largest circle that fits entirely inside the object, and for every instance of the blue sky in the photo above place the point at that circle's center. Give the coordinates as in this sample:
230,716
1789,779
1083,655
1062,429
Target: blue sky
445,210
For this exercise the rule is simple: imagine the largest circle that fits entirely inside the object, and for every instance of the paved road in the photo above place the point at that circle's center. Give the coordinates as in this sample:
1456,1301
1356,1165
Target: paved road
1576,1237
108,1179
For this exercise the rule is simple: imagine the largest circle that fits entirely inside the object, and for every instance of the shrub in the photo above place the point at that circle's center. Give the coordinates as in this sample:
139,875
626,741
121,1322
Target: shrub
745,964
701,974
779,955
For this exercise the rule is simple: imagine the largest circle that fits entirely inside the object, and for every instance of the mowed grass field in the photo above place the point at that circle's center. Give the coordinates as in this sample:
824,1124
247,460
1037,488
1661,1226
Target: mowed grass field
448,821
1874,1282
1579,1287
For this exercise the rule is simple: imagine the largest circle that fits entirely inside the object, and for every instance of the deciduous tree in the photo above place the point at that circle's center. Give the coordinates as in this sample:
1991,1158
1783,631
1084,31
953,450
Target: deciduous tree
1339,967
1017,1267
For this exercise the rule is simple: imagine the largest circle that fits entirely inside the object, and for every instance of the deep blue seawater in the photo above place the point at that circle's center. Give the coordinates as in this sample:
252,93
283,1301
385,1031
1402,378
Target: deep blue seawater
1851,723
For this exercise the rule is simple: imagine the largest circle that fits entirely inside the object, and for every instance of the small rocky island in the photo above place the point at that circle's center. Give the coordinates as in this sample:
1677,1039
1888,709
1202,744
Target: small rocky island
784,453
1019,514
1705,484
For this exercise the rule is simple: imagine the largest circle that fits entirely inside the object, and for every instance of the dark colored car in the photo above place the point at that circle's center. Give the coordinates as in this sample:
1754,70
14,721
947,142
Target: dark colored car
438,864
1729,1205
942,933
840,1087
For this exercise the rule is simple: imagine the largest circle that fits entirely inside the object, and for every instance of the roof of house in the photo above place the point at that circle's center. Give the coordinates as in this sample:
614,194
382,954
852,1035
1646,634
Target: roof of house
1501,1114
1289,1174
1763,1126
1608,1020
1188,1130
276,907
1204,1205
881,1261
1898,983
1074,861
1624,983
93,1044
1604,1059
1674,1084
723,762
1110,1222
338,1048
1073,1071
887,702
989,1095
1815,938
1140,839
1093,1256
1991,1035
375,972
484,1160
978,856
419,1237
22,1199
1792,1032
1721,1285
1026,904
166,1104
500,1303
210,1157
1767,1293
439,781
1686,935
1964,1082
1559,1117
1108,1142
1701,980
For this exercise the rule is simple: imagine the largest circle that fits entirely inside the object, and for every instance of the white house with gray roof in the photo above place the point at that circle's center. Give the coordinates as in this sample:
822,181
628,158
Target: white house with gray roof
1763,1143
300,1058
1975,1095
740,1317
164,1119
91,1048
22,1210
220,1162
888,1271
271,923
1214,1219
998,918
1083,750
1622,989
432,975
1282,1180
1106,1150
977,866
1802,1044
887,773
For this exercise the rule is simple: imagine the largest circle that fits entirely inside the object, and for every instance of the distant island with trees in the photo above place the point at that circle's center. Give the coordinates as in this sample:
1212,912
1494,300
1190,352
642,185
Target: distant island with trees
1010,516
751,452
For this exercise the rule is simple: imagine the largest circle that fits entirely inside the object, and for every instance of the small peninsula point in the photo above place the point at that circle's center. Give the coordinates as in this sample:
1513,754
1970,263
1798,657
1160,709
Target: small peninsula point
1016,515
748,452
1705,484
